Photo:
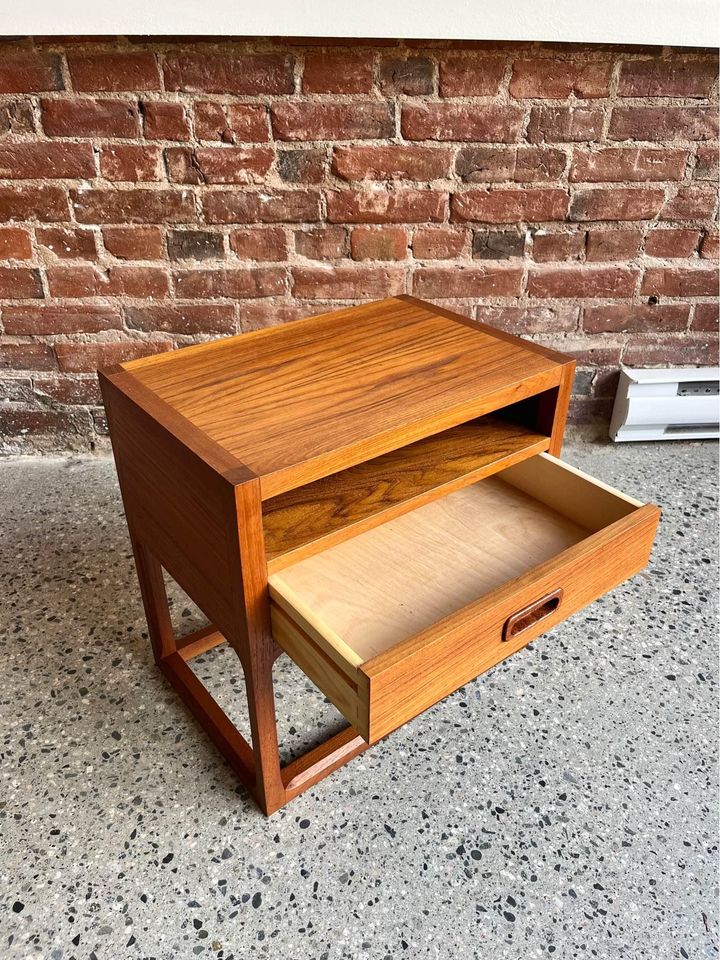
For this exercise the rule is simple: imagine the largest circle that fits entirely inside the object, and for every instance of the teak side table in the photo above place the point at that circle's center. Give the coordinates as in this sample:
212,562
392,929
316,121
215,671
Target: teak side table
374,491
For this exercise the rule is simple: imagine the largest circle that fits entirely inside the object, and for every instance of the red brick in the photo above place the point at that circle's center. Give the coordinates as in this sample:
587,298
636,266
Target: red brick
461,280
497,244
260,314
613,244
230,282
16,116
268,243
114,71
558,246
68,243
70,428
694,202
46,161
578,280
672,243
85,117
439,243
219,164
690,280
539,165
322,243
19,283
30,72
51,319
524,165
678,77
195,245
587,352
133,206
247,75
486,164
338,72
408,76
231,123
47,204
619,203
88,357
564,124
621,163
707,166
663,123
347,281
71,391
379,243
470,76
710,249
115,281
305,165
134,243
164,121
679,351
395,162
187,319
555,79
358,120
15,244
636,317
129,162
509,206
549,318
461,121
385,206
266,206
706,317
26,356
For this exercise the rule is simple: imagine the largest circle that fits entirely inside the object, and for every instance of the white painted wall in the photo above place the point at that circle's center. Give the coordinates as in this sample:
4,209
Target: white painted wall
677,22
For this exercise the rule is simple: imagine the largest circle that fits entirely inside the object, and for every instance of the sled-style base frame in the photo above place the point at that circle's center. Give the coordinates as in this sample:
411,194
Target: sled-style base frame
259,770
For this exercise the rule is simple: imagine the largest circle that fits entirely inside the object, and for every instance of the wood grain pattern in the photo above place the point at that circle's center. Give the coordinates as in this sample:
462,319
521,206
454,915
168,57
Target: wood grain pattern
298,402
308,519
175,501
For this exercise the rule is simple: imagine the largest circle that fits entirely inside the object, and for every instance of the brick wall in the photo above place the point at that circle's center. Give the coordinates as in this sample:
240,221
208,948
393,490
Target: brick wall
155,194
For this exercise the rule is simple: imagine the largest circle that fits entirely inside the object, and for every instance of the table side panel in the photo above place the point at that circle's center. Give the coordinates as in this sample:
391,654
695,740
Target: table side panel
178,506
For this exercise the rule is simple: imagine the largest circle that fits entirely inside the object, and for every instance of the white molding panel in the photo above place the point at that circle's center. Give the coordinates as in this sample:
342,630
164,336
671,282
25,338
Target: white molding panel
693,23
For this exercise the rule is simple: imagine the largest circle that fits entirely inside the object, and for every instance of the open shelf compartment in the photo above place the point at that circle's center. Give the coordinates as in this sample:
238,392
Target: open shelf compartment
306,520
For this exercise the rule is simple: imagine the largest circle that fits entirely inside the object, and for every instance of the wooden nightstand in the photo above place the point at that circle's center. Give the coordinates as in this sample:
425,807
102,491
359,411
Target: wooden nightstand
374,491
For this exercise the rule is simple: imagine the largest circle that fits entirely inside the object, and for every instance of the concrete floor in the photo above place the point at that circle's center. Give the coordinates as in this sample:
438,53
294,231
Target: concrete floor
563,804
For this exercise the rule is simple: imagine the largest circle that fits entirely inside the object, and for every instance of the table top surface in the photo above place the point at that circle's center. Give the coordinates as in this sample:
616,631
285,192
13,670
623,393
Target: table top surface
295,402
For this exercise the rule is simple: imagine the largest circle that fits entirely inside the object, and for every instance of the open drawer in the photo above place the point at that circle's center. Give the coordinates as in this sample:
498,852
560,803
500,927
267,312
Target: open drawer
391,621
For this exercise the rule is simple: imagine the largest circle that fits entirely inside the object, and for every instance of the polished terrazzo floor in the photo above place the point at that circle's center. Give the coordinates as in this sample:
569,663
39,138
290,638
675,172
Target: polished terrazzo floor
563,805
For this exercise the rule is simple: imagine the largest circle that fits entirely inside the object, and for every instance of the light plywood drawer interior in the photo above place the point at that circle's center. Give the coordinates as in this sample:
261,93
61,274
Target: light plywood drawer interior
369,596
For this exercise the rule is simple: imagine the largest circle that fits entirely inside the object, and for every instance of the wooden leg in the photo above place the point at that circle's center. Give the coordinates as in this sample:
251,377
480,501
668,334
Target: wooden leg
258,767
155,601
269,790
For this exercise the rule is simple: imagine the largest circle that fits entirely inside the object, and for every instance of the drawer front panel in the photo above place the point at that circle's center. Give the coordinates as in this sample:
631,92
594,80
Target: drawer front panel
419,672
